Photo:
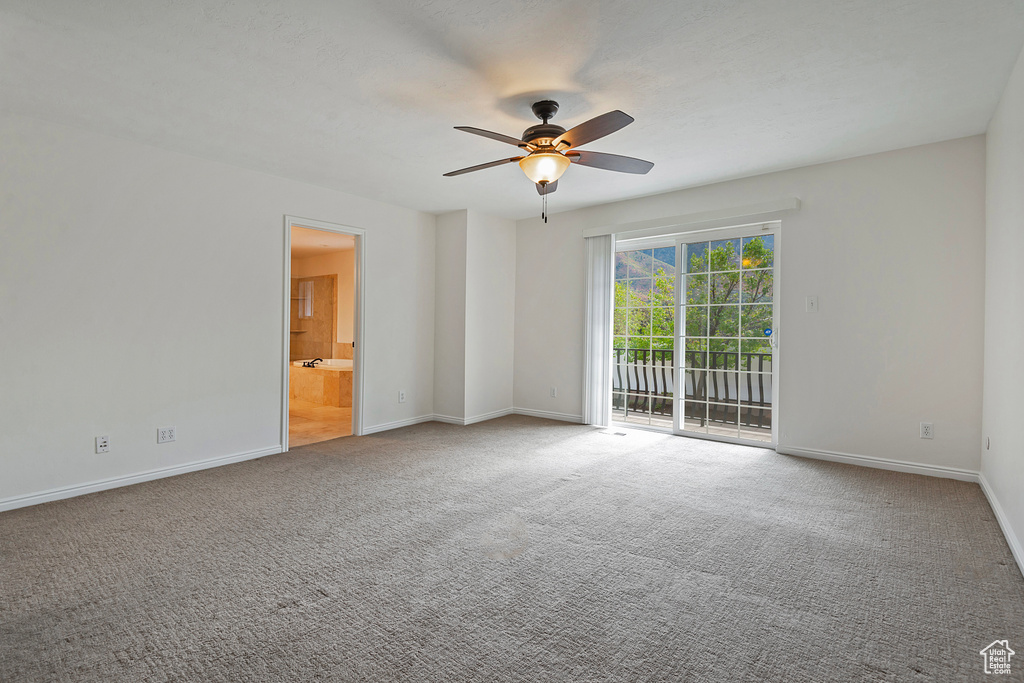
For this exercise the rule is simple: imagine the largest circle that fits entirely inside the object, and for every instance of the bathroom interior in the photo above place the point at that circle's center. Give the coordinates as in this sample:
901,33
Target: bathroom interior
321,336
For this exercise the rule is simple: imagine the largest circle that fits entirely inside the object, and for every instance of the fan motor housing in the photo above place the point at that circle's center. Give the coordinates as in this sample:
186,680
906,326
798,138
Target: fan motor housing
542,134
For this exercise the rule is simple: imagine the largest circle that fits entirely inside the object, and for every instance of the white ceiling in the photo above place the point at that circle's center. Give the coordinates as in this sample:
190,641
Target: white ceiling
362,96
307,242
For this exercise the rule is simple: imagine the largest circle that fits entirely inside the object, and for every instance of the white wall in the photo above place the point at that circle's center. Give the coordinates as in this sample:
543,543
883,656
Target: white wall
450,316
1002,466
892,245
474,316
343,264
549,315
490,314
142,288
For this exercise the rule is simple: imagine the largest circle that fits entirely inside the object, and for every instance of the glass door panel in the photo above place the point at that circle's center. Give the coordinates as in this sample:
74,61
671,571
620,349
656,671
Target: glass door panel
726,340
643,345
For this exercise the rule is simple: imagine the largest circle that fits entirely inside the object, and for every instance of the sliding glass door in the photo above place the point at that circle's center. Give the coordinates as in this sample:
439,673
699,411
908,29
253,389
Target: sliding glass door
695,327
643,345
725,347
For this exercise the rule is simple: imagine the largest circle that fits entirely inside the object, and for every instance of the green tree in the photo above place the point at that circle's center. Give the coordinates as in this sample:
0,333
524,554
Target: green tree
631,324
663,301
722,281
714,280
642,313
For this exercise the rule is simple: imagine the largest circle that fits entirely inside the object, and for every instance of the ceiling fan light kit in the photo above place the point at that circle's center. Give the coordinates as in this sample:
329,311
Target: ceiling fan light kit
544,167
548,148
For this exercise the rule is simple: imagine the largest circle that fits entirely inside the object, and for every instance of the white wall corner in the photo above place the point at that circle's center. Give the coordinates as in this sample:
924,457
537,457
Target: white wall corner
1002,460
450,314
1004,523
474,333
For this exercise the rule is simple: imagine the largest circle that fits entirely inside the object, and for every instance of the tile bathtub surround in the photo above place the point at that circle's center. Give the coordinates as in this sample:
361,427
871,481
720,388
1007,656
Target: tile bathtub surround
327,387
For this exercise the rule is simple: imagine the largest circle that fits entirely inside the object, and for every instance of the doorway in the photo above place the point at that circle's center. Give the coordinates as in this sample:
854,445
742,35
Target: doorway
322,378
695,330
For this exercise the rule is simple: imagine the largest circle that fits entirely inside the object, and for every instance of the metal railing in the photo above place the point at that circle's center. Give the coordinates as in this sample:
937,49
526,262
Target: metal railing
734,385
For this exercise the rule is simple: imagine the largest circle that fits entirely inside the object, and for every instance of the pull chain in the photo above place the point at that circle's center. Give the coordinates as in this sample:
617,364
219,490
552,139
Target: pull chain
544,208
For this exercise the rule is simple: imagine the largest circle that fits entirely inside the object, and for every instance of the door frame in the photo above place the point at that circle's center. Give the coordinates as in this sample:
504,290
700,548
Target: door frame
714,234
358,327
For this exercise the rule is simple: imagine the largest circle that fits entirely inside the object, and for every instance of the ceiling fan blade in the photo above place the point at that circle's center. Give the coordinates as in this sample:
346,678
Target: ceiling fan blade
610,162
595,128
494,136
547,189
480,167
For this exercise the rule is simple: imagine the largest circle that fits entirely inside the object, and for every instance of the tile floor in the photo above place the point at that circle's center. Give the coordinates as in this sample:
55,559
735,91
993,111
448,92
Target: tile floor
312,422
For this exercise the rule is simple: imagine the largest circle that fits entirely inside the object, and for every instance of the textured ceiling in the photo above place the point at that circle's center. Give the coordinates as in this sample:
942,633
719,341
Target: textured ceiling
362,96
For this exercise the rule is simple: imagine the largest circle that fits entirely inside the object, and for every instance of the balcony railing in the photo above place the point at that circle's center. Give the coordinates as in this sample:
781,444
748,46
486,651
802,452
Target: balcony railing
724,380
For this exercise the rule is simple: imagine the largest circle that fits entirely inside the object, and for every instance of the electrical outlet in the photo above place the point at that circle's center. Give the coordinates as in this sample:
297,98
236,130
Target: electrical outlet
811,304
165,434
554,392
927,430
102,444
401,396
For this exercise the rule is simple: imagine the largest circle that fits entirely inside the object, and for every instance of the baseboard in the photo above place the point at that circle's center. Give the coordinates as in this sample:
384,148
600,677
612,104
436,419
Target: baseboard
398,423
1004,523
548,415
448,419
118,482
483,417
882,463
463,421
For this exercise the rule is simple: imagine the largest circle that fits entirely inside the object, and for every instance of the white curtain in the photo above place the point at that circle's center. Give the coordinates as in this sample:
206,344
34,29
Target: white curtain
597,371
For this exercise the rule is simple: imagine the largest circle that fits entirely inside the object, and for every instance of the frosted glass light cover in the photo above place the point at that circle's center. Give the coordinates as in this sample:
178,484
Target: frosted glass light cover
541,167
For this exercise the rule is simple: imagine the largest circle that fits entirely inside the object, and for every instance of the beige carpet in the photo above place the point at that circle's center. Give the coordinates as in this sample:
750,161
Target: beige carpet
512,550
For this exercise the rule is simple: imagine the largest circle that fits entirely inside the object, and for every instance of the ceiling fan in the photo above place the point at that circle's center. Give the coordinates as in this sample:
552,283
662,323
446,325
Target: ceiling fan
550,148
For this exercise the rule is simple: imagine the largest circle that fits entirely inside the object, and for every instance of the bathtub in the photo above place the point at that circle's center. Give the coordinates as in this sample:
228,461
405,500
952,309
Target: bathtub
329,383
328,363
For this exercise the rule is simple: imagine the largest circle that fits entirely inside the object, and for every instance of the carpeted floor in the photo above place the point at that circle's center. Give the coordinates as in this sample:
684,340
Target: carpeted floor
512,550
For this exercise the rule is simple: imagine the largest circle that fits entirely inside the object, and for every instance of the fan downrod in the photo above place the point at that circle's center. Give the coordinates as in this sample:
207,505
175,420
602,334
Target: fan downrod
542,134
